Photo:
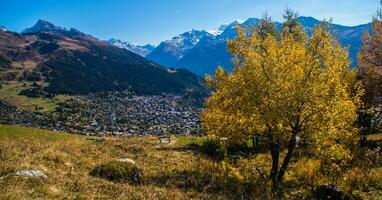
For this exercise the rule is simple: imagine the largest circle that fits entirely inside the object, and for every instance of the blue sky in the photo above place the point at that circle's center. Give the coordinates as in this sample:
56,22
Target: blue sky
152,21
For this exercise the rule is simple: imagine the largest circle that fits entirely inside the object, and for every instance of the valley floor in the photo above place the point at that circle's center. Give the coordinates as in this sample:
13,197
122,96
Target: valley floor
118,112
171,171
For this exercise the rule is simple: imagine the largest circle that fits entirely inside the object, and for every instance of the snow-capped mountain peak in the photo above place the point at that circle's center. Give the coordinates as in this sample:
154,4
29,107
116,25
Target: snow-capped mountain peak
214,32
116,42
2,28
202,55
175,48
138,49
192,36
179,44
218,31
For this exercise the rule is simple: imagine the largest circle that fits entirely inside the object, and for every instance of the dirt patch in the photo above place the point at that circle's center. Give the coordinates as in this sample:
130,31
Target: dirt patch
71,44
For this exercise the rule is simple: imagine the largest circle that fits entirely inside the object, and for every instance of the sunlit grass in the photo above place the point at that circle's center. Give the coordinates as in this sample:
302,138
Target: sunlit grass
171,171
10,92
375,137
34,135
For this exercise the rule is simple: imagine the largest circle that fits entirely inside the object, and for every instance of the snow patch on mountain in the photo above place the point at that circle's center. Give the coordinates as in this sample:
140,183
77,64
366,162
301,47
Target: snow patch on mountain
170,51
202,55
138,49
3,29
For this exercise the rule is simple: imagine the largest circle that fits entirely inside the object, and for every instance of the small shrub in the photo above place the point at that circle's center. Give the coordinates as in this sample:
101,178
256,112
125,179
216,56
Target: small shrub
304,172
335,160
375,178
136,149
354,179
119,171
34,92
214,149
53,158
6,170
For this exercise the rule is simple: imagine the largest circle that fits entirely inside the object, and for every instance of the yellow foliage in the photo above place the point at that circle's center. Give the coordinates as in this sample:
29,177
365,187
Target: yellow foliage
334,159
285,87
304,170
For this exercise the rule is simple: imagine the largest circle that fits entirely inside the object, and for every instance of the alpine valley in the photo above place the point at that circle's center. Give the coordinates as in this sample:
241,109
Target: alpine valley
254,109
63,79
49,74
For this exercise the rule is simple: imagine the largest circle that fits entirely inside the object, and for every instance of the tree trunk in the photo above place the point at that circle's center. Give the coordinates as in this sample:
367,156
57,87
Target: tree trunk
277,173
275,154
257,143
253,144
291,147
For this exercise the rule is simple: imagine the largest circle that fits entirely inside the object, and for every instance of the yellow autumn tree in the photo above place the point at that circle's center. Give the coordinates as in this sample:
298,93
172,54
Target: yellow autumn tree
284,89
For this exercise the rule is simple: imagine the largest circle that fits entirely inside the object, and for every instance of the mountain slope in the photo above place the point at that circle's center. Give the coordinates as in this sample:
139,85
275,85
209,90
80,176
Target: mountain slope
71,62
209,53
211,50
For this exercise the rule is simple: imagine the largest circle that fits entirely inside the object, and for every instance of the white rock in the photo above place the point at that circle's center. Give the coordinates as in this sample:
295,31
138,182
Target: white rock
128,160
31,173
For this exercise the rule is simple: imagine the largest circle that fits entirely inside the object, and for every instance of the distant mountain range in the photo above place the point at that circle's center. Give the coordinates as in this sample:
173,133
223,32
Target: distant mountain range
44,26
201,51
138,49
67,61
171,51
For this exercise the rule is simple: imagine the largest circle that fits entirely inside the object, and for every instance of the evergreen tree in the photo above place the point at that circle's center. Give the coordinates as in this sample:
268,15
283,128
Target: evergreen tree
291,26
266,26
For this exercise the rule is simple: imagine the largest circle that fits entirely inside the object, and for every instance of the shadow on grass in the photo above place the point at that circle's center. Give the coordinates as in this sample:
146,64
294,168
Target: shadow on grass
184,148
208,181
233,152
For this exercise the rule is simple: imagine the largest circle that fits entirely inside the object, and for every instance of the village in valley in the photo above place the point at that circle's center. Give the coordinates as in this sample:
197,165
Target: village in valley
112,113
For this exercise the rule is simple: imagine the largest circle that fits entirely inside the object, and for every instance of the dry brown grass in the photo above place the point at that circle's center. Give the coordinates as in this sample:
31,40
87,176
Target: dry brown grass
171,171
71,44
67,164
375,137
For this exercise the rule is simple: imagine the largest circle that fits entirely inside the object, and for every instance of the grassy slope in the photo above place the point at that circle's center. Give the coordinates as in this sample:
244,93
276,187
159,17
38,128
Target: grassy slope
67,160
12,133
173,171
10,90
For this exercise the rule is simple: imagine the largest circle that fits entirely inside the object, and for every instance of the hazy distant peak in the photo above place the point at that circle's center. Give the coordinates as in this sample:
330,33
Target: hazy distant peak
308,21
196,34
114,40
214,32
2,28
43,26
251,21
222,27
141,50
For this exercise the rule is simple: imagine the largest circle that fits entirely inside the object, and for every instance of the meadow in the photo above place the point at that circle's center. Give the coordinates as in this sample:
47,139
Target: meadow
10,90
178,170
